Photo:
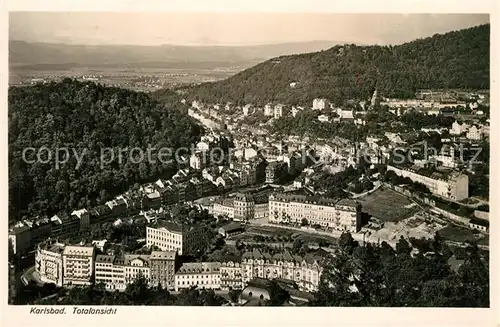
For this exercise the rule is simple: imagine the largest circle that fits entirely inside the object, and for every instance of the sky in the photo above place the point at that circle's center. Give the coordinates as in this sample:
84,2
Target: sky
95,28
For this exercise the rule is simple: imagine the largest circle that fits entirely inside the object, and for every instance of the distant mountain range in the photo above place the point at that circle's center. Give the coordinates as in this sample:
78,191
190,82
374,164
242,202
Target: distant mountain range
459,59
31,54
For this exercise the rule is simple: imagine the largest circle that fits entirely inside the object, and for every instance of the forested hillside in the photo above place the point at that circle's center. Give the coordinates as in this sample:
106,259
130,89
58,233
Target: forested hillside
457,59
85,118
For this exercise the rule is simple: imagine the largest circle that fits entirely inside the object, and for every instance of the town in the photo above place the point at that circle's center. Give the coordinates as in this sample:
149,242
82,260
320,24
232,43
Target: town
274,204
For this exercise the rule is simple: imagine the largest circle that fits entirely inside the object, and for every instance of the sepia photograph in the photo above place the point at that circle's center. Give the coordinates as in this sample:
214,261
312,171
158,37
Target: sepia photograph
247,159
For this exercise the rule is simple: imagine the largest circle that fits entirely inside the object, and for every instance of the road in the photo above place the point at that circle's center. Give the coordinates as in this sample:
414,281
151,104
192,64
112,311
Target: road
376,184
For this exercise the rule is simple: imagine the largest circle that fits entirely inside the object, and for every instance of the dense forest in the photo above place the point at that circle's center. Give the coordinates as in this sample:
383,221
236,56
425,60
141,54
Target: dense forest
85,118
458,59
381,276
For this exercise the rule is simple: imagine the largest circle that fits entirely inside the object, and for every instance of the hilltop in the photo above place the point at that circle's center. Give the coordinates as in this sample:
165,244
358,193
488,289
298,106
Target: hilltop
458,59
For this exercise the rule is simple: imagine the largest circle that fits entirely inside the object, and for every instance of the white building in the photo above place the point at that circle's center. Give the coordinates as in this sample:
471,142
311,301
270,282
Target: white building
323,118
278,111
452,184
474,133
224,208
230,274
304,271
241,207
203,275
344,215
49,262
319,104
110,270
175,237
78,265
268,110
457,128
137,265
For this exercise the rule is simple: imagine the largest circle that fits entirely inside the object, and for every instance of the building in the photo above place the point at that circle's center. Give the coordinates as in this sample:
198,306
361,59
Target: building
275,170
319,104
449,184
224,208
78,265
136,265
278,111
323,118
110,270
304,271
170,236
20,238
457,128
268,110
244,207
261,206
84,216
342,215
49,262
231,229
479,224
230,273
163,269
474,133
203,275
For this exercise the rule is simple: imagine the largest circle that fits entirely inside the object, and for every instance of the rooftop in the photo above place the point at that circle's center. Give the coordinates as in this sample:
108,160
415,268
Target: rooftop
162,255
79,250
318,200
200,268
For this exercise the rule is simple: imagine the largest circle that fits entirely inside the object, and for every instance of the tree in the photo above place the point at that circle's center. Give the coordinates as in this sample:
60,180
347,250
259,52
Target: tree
297,245
304,222
278,296
403,247
234,295
346,242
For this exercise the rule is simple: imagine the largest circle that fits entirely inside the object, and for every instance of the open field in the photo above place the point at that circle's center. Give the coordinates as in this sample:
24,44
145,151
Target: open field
461,234
387,205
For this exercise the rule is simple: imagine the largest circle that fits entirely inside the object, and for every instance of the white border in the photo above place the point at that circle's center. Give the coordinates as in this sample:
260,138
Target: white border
186,316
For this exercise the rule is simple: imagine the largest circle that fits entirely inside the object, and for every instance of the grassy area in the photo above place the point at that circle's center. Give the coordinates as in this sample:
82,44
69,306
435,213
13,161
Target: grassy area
387,205
457,234
484,241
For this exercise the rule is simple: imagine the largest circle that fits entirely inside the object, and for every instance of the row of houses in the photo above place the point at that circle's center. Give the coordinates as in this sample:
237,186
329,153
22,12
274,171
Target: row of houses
68,266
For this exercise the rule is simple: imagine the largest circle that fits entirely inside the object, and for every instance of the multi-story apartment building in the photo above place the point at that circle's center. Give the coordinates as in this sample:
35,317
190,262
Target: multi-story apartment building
275,170
84,216
49,262
230,274
304,271
137,265
344,215
78,265
450,184
261,207
20,238
163,268
26,234
110,270
184,239
224,208
244,207
204,275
